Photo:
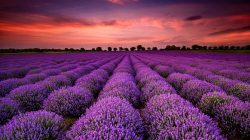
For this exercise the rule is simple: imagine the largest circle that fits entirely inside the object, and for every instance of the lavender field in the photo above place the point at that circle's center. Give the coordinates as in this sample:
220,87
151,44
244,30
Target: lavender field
154,95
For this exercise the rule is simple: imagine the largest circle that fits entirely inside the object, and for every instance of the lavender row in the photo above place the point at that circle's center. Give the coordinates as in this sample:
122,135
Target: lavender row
10,84
232,87
168,116
73,101
112,116
231,113
229,69
34,125
122,84
31,97
233,116
17,66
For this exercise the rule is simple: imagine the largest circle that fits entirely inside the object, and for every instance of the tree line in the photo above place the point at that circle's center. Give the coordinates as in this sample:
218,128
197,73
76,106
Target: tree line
137,48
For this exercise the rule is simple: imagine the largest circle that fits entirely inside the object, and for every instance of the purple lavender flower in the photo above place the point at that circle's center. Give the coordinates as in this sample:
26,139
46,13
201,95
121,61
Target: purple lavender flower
109,67
8,109
7,85
233,117
59,80
71,101
130,94
68,67
235,74
168,116
212,100
155,87
33,78
71,75
34,125
240,90
51,72
102,74
194,89
177,80
163,70
232,87
29,97
105,118
90,82
112,133
199,73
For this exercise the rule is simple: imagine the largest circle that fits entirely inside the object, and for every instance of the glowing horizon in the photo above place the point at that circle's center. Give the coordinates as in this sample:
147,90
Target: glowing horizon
126,23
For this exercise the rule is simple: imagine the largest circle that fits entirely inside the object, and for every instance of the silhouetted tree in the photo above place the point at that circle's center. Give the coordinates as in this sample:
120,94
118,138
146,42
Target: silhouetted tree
196,47
139,48
148,48
109,49
204,47
247,47
115,49
154,48
72,49
183,48
99,49
126,49
120,48
171,47
232,47
237,47
82,50
132,48
93,49
66,49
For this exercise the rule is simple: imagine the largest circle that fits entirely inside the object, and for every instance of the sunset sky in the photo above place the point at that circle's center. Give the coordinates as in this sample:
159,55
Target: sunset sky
127,23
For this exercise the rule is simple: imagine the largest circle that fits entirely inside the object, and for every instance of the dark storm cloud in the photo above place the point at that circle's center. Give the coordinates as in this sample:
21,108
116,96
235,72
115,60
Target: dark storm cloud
232,30
192,18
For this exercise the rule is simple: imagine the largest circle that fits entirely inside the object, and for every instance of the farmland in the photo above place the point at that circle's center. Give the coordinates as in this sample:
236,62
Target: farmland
125,95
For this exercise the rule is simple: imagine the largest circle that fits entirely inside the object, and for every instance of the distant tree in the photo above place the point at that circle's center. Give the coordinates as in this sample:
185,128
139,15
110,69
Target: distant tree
237,47
115,49
221,47
132,49
109,49
215,47
226,47
204,47
139,47
154,48
99,49
183,48
247,47
121,49
232,47
171,47
210,48
93,49
196,47
148,48
66,49
72,49
82,50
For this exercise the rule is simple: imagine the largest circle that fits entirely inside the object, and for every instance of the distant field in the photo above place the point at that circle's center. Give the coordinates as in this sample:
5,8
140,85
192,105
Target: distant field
132,95
224,51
